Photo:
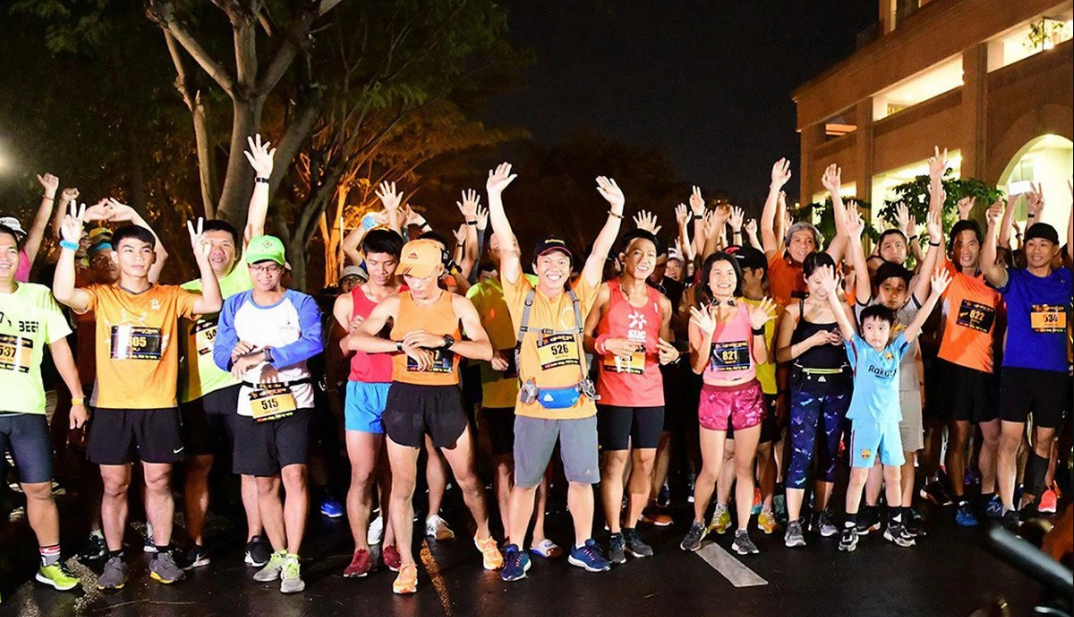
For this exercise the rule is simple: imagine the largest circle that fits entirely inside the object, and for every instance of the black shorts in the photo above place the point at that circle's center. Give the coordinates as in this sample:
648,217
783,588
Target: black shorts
770,432
412,411
120,436
500,424
26,436
965,394
208,422
1024,391
619,428
264,448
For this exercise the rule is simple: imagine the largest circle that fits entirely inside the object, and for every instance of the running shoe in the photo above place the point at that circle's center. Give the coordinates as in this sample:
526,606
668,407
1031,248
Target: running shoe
825,524
912,523
407,581
258,552
1009,520
196,557
150,546
616,548
742,544
57,575
491,558
994,507
766,522
652,516
721,519
516,564
848,541
331,508
588,557
361,564
94,549
391,557
663,498
690,488
1048,502
114,575
546,549
375,533
868,520
272,569
964,515
635,545
936,493
693,538
163,569
896,533
793,536
437,529
291,576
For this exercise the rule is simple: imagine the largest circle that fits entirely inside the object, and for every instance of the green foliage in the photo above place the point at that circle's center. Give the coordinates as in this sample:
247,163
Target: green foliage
915,194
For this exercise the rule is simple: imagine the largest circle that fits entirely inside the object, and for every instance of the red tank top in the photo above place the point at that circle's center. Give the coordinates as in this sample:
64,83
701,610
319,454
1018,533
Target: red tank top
732,349
368,368
636,382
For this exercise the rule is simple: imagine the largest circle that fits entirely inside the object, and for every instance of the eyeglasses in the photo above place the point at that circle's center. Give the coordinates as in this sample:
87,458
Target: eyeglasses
270,268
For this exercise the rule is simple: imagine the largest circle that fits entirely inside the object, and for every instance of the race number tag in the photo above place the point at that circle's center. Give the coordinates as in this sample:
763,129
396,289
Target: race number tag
272,403
15,353
634,364
976,316
443,362
136,343
555,350
734,356
204,335
1048,319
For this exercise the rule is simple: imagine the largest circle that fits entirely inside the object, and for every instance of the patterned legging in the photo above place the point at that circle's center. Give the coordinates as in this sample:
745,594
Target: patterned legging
810,407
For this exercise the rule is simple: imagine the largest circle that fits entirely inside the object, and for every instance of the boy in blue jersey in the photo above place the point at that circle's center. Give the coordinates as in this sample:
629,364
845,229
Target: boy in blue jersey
874,407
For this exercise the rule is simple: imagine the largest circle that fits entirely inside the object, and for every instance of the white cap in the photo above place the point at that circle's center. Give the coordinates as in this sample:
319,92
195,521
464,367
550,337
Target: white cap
353,271
13,224
673,253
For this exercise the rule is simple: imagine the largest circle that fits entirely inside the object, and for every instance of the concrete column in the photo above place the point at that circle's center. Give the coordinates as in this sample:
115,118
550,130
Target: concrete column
973,133
863,151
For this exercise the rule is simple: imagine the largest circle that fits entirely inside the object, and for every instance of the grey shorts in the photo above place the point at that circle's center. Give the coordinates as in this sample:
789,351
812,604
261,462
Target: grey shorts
910,428
535,439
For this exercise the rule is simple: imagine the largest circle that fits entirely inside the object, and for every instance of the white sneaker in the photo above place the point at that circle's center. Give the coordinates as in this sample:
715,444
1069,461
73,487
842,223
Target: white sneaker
437,528
376,531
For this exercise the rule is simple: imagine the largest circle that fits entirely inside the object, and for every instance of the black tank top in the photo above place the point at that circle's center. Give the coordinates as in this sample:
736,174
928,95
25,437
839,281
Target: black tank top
821,356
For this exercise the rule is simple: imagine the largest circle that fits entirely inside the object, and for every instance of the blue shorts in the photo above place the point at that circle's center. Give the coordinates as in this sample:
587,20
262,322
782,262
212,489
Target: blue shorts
365,406
870,439
27,437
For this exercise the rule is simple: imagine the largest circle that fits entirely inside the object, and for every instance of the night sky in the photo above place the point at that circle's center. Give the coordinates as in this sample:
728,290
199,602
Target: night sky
707,83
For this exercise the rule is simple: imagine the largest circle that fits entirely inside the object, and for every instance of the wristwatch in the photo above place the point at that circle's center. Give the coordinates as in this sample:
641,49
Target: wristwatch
399,346
268,354
448,341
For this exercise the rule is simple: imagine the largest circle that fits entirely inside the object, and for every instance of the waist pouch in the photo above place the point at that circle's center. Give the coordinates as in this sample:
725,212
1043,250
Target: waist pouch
558,398
821,378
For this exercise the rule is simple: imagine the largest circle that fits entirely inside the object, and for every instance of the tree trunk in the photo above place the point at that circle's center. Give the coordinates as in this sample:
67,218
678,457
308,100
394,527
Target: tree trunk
238,183
204,145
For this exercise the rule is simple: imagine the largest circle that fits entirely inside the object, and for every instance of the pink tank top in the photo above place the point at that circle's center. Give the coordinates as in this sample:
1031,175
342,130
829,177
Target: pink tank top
732,349
368,368
633,382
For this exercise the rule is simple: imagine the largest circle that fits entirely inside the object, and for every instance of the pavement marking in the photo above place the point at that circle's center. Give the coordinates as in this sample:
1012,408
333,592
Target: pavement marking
731,568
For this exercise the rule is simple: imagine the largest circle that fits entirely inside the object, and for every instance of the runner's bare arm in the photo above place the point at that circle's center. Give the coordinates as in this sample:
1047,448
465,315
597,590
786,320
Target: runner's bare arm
261,159
510,259
594,266
854,226
935,226
787,323
365,338
993,270
68,370
781,174
477,345
342,309
702,326
940,279
210,299
831,284
49,185
63,281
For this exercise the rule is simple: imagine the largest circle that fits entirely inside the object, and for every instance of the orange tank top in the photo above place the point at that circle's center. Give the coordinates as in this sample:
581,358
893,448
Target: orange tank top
634,381
438,319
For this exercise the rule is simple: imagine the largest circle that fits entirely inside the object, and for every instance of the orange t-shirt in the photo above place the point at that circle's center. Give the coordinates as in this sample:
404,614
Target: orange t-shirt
136,351
551,360
786,283
970,312
438,319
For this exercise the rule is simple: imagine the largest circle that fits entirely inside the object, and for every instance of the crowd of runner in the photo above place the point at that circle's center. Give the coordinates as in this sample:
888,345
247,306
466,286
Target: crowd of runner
758,357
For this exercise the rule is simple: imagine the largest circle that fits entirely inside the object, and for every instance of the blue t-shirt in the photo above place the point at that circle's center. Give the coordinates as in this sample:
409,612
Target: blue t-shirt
876,380
1038,311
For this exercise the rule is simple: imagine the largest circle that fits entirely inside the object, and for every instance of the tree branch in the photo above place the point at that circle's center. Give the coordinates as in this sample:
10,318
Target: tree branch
163,14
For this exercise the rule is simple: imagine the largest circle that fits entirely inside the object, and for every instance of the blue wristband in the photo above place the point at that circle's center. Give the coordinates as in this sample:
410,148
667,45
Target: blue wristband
67,244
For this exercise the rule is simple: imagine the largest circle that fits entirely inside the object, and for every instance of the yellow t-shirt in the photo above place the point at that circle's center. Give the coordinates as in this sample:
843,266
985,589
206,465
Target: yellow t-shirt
499,390
137,353
766,373
552,361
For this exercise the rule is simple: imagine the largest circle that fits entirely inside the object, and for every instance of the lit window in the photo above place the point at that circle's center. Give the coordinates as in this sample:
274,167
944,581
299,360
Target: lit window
934,81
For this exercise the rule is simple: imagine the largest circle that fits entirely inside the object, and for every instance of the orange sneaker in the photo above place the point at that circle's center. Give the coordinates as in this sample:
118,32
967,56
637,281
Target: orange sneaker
407,581
490,553
1048,502
652,516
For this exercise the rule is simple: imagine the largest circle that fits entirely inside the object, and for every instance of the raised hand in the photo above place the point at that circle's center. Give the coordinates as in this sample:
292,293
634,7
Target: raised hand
68,195
49,183
704,319
751,227
709,221
995,213
781,173
738,215
666,351
832,179
935,226
389,197
482,218
71,227
201,245
938,164
682,215
902,218
965,206
260,156
499,178
468,205
941,278
1034,201
762,313
826,278
460,234
99,211
120,212
722,214
611,193
855,223
647,221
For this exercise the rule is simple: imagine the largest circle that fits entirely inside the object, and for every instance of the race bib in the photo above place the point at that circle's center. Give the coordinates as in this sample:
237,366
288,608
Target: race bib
555,350
634,364
136,343
734,356
976,316
15,353
443,362
204,335
272,403
1048,318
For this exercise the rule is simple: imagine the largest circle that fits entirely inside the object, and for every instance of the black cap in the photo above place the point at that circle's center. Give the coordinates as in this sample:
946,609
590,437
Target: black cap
889,270
748,257
549,244
1043,231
